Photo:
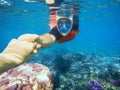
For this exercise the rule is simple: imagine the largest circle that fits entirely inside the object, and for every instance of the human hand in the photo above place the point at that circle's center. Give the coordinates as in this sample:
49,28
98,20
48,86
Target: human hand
44,40
20,50
16,53
33,38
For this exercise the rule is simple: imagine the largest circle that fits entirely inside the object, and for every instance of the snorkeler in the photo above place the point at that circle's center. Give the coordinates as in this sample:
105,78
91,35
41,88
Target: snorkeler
64,26
64,21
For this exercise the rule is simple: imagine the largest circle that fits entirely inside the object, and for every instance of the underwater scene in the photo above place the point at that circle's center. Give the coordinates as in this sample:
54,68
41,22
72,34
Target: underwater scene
90,61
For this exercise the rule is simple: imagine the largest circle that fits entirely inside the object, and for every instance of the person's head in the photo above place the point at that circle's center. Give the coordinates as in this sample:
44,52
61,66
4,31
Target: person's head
64,20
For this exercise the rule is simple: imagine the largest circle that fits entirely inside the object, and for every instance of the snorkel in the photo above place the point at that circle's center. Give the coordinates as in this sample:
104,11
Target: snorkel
64,20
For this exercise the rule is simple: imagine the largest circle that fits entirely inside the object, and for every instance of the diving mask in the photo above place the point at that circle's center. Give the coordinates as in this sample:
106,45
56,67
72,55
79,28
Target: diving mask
64,21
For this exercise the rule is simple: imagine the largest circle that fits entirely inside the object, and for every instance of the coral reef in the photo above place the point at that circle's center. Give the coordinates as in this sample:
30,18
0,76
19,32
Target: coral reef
73,70
114,82
96,85
30,76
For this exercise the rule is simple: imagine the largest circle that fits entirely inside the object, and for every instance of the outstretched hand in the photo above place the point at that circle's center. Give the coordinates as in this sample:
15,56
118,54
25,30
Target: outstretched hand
18,50
44,40
16,53
32,38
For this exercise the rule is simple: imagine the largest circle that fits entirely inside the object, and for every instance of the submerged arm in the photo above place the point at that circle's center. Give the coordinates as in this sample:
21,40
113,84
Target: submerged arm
15,54
19,50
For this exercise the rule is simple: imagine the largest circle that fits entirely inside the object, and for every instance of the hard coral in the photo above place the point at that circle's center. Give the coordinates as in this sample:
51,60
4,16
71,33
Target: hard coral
27,77
96,85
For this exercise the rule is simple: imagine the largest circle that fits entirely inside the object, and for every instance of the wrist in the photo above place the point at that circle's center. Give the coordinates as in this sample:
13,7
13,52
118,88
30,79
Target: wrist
53,37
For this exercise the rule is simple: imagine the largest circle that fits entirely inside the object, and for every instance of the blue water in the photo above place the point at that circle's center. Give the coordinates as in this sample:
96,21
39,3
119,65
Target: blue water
94,54
99,24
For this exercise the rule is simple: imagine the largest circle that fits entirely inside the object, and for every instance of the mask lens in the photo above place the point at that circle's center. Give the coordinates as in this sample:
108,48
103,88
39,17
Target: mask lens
64,20
64,25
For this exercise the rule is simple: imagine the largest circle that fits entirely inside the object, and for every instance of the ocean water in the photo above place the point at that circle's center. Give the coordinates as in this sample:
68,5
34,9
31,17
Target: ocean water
98,39
99,23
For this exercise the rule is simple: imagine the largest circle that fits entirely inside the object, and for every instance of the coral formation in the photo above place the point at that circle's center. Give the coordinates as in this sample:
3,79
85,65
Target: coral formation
74,70
96,85
30,76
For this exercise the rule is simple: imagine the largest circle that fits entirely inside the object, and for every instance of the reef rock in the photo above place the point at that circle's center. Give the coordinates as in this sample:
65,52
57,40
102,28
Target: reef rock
30,76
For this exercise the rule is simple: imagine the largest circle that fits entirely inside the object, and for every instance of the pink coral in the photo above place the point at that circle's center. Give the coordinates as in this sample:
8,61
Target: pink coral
30,76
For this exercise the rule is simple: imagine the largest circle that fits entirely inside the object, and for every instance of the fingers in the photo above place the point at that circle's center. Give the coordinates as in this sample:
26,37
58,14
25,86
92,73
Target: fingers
28,37
46,40
36,48
35,51
31,38
46,43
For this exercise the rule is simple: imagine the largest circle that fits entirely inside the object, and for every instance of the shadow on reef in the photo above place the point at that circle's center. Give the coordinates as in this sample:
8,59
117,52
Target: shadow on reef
61,66
75,70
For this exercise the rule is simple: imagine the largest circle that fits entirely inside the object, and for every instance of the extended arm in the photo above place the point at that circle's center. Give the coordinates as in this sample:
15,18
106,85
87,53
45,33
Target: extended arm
15,54
19,50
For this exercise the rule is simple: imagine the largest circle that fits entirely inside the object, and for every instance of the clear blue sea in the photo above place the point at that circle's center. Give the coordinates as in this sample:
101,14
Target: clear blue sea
96,48
99,24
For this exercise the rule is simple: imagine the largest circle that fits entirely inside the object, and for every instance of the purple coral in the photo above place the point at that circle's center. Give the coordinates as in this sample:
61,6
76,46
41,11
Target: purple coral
114,82
96,85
